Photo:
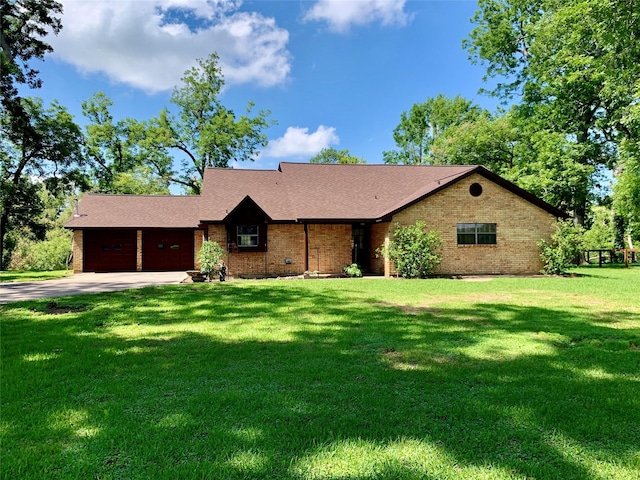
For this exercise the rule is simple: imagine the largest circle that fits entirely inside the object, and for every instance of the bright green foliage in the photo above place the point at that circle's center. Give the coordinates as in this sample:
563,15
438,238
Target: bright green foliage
414,251
46,144
563,249
576,66
25,24
424,123
203,133
53,253
352,270
210,258
117,150
331,155
600,234
206,132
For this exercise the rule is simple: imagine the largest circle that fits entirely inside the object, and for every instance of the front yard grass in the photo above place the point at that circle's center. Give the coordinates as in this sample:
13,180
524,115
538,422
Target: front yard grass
32,276
511,378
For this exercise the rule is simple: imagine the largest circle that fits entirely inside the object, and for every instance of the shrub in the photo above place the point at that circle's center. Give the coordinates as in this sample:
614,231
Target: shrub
414,251
209,257
53,253
563,249
352,270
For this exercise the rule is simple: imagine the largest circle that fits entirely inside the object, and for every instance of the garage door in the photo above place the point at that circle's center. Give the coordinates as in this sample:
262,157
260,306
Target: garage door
109,250
167,249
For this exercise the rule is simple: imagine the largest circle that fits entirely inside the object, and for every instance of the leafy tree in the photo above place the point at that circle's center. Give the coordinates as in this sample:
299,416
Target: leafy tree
600,235
203,133
46,151
25,23
574,63
418,129
121,162
413,250
626,199
333,156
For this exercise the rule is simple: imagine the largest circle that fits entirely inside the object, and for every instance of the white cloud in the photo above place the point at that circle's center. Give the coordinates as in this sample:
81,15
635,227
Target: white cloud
298,142
149,44
342,14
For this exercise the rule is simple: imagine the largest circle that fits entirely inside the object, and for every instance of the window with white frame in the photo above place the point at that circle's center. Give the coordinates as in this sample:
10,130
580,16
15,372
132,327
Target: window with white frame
477,234
247,236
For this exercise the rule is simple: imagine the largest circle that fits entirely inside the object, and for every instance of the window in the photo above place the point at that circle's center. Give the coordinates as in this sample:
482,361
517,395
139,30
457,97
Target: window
247,236
476,234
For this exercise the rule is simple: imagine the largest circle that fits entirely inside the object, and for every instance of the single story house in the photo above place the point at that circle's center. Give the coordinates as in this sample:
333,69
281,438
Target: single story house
317,217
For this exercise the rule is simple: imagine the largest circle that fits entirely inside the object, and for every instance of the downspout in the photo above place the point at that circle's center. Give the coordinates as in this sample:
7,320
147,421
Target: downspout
306,248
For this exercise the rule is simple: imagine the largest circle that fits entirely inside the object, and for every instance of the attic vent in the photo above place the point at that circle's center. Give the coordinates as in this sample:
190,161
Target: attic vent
475,189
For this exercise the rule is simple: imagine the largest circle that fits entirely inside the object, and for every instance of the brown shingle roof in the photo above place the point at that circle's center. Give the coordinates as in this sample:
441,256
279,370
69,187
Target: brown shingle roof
321,192
294,192
136,211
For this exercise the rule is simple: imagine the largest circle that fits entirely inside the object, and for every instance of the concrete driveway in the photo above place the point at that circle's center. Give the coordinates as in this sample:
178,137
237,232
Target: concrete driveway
85,283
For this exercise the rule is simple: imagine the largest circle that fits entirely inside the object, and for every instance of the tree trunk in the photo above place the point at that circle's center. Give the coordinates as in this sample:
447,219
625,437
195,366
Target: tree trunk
3,230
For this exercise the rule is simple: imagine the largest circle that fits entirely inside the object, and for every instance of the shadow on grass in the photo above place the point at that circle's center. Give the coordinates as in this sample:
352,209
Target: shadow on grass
279,382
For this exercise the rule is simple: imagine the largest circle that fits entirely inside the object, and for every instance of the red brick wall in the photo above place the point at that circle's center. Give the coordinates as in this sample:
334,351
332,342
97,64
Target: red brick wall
329,247
284,241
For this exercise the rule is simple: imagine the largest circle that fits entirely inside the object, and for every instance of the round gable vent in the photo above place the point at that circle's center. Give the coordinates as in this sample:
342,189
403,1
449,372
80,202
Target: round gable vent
475,189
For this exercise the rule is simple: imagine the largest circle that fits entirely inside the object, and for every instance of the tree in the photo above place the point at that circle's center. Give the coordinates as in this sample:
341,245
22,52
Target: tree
121,163
24,25
47,151
203,134
575,65
331,155
418,129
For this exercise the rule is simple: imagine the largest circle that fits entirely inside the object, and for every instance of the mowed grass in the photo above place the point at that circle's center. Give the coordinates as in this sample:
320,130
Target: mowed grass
32,276
511,378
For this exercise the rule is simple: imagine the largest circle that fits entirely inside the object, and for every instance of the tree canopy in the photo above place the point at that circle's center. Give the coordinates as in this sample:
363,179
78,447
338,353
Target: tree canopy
333,156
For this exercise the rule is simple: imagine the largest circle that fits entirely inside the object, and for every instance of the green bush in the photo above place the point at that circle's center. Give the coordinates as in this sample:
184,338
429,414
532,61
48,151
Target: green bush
413,250
563,249
53,253
210,258
352,270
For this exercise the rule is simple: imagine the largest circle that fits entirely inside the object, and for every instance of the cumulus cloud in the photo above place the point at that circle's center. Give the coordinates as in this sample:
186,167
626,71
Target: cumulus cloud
298,142
149,44
340,15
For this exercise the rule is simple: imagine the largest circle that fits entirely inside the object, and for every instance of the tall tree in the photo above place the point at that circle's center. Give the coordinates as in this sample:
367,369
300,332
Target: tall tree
419,128
575,64
47,150
331,155
203,133
25,23
539,160
121,163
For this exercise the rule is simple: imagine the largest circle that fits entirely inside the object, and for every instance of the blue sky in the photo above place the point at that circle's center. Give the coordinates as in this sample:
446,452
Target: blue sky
333,73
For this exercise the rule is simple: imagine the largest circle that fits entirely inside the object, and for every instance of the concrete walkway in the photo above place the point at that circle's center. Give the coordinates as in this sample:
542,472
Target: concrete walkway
85,283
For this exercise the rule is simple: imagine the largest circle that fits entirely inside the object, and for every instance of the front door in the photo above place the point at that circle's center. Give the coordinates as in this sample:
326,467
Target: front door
360,250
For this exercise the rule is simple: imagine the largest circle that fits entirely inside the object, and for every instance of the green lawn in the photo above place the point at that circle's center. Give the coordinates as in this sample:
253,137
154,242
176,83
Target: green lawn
31,276
512,378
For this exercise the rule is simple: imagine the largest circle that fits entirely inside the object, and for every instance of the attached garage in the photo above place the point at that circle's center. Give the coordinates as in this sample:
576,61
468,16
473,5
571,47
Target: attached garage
119,233
109,250
167,249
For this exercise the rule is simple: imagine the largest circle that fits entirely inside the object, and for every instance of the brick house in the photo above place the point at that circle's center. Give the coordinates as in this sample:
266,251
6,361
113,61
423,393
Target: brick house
314,217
